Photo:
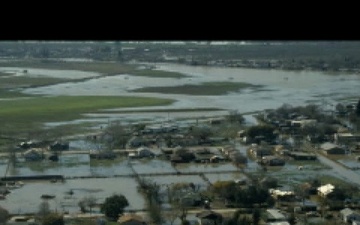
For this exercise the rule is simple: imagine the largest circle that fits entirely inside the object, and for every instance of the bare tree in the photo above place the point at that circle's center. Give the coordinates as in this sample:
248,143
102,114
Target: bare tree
117,135
44,210
171,215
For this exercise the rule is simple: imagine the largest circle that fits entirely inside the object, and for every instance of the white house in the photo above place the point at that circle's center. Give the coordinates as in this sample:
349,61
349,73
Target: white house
141,152
325,189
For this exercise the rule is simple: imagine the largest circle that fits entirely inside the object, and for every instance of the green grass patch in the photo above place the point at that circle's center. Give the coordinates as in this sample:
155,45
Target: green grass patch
158,73
6,93
24,113
4,74
165,110
207,88
26,81
337,182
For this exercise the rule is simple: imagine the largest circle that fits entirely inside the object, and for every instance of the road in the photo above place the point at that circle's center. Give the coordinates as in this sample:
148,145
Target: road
348,174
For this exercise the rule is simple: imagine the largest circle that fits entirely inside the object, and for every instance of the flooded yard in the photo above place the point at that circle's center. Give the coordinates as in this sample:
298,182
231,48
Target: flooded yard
206,167
27,198
154,166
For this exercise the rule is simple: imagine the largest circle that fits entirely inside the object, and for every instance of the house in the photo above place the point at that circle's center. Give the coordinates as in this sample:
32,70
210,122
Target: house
102,154
144,152
325,190
131,219
302,156
260,152
279,223
330,148
34,154
307,206
191,199
176,159
272,161
274,215
136,142
348,215
282,195
59,146
303,123
209,217
346,138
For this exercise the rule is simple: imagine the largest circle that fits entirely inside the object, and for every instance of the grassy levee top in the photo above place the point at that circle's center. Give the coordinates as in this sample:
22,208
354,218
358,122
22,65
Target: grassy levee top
206,88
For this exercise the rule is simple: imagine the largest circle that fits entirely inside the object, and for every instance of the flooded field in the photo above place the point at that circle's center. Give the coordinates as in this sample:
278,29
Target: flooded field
32,72
279,87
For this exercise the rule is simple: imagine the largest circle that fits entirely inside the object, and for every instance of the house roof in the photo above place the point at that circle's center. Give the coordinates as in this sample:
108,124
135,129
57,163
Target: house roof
280,192
275,214
327,146
326,189
279,223
346,211
130,217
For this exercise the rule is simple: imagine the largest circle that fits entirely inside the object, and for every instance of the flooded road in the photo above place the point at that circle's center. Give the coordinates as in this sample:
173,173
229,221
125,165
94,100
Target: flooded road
349,175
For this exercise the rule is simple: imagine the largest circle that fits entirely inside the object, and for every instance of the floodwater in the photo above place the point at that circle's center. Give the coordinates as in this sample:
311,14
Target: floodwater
279,87
27,198
32,72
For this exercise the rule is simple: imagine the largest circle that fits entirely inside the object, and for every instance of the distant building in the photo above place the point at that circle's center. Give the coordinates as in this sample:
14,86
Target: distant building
34,154
345,138
348,215
330,148
274,215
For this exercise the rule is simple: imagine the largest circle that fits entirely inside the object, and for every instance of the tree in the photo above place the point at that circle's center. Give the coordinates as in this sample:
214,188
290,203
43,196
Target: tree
261,130
114,205
202,133
118,137
235,117
53,219
44,209
4,215
256,216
